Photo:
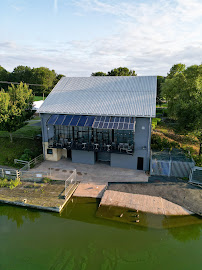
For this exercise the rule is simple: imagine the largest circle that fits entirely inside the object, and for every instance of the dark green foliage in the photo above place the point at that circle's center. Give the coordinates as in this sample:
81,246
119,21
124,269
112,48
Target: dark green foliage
10,151
99,73
175,70
21,74
121,71
183,91
45,77
198,160
158,143
42,75
4,74
15,107
160,80
27,155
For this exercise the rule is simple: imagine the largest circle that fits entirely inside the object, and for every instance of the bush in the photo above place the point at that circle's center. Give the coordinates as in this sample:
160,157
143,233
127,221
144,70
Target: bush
160,144
10,184
27,155
198,160
155,121
47,180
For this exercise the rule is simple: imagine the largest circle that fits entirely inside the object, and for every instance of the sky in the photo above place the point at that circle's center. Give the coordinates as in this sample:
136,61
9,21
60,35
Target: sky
78,37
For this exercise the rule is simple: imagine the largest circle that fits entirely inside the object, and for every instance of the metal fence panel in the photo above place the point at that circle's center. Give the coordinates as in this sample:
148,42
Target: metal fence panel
160,167
171,168
181,169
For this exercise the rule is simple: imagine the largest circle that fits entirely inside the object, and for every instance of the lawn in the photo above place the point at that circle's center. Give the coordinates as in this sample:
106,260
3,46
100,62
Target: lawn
37,98
22,139
26,131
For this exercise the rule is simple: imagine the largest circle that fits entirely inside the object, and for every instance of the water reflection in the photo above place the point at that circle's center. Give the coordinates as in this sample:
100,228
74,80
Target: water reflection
183,228
18,214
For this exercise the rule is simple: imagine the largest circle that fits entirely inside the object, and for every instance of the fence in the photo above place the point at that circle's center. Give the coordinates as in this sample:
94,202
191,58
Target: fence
9,173
171,164
70,180
29,164
196,176
33,176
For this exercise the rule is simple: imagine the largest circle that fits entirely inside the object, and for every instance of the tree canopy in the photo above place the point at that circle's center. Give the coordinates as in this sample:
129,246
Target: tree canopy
15,107
42,75
121,71
176,69
160,81
184,95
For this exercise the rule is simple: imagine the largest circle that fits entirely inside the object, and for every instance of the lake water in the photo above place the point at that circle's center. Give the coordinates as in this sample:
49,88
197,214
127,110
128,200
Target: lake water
79,239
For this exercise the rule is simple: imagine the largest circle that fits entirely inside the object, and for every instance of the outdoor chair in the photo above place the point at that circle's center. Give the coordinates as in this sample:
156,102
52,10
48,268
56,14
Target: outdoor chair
50,143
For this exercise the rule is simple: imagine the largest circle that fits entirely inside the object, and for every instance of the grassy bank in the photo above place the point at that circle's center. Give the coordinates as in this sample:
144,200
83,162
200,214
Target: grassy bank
168,135
10,151
37,98
24,138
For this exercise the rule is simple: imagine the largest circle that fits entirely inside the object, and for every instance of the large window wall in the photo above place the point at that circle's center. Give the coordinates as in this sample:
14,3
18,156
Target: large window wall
90,135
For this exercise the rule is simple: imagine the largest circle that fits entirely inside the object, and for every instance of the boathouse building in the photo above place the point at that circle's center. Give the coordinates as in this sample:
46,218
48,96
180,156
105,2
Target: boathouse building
94,119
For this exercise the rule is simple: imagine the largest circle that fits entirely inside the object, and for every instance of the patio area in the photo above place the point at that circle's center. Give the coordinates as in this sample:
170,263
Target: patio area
99,173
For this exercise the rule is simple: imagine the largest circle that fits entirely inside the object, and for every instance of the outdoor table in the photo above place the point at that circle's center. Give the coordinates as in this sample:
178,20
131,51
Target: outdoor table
84,145
96,146
108,147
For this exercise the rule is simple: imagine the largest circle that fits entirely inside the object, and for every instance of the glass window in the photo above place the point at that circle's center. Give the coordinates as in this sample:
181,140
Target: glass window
49,151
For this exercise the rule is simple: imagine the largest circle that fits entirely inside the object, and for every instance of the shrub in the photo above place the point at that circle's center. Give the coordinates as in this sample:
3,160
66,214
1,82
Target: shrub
198,160
160,144
10,184
27,155
47,180
155,121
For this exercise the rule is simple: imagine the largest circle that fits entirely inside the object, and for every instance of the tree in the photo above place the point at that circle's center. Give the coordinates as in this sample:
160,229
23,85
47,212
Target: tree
175,69
43,76
3,76
184,95
99,73
160,80
21,74
122,71
58,77
15,107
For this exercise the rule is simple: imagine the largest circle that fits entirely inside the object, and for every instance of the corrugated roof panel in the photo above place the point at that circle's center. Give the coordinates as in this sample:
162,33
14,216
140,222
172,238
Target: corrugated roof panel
122,96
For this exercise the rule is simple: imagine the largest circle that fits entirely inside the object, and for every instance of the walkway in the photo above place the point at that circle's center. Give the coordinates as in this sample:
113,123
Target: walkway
99,173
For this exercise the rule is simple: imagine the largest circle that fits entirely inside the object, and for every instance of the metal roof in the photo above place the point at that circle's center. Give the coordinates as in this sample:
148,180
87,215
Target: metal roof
110,95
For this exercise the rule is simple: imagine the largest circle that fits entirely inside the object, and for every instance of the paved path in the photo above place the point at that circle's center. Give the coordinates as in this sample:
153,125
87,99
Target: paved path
99,173
144,203
90,190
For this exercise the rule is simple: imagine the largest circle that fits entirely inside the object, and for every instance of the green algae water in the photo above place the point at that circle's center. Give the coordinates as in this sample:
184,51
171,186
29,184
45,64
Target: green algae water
84,236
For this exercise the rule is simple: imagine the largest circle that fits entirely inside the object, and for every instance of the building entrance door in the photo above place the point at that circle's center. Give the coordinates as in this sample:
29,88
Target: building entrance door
140,162
69,153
